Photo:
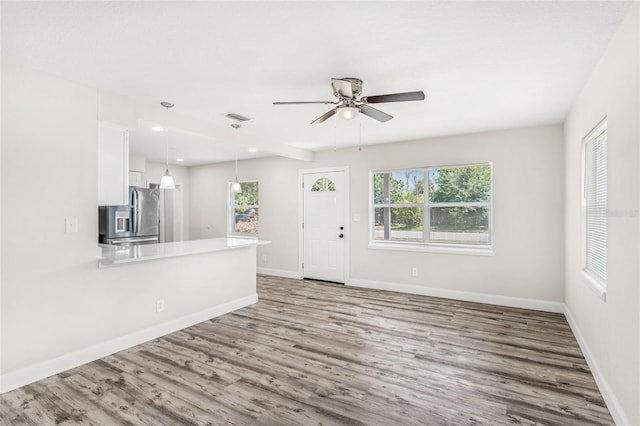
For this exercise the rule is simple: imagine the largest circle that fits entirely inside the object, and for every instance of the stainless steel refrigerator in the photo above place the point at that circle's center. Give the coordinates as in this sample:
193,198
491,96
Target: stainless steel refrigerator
145,215
135,224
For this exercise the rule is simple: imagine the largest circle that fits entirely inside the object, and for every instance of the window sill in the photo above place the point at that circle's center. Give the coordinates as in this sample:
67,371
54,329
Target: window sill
434,248
595,285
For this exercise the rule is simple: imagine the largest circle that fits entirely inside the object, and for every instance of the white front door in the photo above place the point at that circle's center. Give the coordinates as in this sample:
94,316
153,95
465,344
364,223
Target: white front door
324,227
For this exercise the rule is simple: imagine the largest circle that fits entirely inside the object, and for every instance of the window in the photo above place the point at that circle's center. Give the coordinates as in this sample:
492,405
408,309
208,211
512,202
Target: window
323,184
244,210
595,204
399,205
433,206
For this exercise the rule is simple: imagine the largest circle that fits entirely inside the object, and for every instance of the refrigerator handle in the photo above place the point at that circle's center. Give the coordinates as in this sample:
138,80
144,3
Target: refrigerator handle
135,210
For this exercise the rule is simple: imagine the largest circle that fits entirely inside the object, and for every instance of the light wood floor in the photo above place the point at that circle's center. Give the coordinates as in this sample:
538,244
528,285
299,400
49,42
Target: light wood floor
311,353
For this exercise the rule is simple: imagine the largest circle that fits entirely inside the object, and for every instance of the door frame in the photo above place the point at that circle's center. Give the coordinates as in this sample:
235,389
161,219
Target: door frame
177,206
347,215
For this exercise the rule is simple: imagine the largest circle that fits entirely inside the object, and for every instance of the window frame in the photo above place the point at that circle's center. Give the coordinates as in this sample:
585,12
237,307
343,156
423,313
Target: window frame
231,212
591,278
426,245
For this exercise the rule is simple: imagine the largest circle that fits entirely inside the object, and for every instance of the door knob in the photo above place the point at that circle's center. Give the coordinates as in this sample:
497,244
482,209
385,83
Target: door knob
341,228
341,235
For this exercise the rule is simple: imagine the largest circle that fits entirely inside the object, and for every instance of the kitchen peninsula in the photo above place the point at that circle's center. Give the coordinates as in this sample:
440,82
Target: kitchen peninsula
117,255
147,291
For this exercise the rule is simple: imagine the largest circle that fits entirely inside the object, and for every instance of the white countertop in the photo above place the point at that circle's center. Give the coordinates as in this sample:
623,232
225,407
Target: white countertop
115,255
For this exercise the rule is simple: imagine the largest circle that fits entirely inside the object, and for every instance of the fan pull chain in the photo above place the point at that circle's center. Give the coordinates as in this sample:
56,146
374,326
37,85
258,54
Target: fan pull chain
360,134
335,135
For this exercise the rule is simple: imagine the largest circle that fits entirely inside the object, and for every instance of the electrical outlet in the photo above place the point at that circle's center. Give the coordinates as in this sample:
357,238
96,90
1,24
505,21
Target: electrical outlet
160,306
264,257
414,272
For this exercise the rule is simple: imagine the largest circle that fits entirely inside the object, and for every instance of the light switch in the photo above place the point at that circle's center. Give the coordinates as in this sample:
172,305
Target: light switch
71,225
356,217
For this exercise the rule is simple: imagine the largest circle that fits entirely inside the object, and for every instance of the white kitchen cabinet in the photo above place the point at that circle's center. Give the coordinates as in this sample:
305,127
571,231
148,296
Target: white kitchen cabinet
136,179
113,166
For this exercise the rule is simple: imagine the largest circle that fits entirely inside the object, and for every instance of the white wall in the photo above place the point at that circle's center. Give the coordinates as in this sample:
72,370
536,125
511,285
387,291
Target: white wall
55,300
528,212
278,205
610,330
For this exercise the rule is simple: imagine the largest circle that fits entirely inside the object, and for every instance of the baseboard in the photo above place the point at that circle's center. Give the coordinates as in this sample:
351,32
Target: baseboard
24,376
279,273
616,410
491,299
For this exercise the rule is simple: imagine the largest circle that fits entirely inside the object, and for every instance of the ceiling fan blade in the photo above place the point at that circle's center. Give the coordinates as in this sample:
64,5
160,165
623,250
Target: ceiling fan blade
376,114
395,97
342,88
304,102
325,116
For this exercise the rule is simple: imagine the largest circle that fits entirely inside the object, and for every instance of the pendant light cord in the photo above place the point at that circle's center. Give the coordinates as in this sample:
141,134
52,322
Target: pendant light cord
167,144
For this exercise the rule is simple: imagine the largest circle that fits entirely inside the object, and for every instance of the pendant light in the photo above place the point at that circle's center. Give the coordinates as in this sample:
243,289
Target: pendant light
236,188
235,185
167,181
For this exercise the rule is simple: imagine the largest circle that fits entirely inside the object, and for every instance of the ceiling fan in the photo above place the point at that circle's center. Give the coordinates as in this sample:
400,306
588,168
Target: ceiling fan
349,102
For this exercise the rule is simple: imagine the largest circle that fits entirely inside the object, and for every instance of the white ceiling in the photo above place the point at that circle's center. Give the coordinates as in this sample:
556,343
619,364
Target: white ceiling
483,65
192,148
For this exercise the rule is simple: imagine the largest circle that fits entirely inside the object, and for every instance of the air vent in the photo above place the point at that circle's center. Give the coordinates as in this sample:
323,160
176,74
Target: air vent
237,117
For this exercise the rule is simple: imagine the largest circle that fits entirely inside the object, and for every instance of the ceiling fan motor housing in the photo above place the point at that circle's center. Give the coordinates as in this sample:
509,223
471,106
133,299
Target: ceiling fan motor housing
356,88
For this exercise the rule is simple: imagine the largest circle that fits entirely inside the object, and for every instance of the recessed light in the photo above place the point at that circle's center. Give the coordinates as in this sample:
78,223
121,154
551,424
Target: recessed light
252,150
180,160
157,129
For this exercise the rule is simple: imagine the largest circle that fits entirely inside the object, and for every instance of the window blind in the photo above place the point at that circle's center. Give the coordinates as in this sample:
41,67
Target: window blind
595,202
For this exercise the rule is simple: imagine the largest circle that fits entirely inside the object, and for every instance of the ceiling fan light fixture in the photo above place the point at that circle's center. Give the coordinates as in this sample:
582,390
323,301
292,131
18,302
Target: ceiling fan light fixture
347,112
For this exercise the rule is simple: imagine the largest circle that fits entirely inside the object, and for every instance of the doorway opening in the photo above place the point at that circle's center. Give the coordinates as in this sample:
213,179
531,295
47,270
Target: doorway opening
170,213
